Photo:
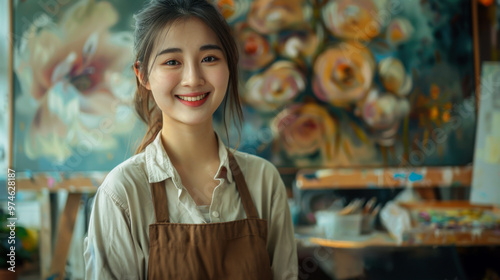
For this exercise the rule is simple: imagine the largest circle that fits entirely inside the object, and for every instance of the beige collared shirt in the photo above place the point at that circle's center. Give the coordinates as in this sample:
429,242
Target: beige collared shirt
117,245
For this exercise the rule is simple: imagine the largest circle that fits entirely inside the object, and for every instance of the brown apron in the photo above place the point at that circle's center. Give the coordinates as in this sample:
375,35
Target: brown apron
229,250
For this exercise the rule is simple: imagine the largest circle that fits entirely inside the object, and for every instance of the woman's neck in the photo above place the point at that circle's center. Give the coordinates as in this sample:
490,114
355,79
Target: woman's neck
190,146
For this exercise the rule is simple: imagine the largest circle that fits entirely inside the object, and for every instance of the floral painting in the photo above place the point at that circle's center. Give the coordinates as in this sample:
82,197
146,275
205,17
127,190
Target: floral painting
355,83
324,83
74,85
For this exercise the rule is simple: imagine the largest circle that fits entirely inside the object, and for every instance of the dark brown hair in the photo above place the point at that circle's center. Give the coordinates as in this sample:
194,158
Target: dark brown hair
150,22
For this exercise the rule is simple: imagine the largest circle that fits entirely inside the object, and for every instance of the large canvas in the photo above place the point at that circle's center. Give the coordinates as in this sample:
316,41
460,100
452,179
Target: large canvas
74,85
369,83
361,83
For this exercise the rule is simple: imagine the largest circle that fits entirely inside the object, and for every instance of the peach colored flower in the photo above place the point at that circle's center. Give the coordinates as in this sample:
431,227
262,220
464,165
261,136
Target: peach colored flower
383,113
255,50
304,130
393,76
399,31
277,86
344,73
354,19
73,72
269,16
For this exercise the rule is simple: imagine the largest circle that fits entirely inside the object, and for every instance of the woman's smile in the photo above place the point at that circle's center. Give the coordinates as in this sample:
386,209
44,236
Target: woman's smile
193,100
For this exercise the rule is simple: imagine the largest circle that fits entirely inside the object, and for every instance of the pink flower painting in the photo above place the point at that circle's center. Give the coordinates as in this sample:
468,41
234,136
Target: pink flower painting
255,51
304,130
383,113
76,83
275,87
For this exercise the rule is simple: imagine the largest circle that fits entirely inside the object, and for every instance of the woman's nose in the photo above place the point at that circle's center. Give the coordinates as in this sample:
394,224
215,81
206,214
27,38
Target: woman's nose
192,76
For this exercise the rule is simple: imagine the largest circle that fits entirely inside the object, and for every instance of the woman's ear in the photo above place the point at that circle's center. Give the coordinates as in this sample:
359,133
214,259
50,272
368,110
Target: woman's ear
138,73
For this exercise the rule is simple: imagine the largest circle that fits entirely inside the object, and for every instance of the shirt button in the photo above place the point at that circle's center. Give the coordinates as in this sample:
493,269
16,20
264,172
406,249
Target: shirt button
215,214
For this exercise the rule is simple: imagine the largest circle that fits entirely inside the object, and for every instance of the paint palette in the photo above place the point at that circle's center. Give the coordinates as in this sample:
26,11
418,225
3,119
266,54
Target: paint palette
457,218
455,222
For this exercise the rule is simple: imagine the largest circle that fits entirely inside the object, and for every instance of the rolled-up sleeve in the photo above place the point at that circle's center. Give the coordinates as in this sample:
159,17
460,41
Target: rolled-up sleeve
109,248
281,241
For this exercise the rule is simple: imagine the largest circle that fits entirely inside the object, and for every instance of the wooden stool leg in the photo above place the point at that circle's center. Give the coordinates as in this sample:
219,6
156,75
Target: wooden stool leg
45,234
64,234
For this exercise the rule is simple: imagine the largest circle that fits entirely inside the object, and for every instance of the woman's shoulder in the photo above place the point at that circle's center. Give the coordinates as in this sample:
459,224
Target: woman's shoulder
127,179
254,165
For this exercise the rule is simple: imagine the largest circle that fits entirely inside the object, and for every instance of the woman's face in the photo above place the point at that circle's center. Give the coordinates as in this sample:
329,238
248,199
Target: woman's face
189,74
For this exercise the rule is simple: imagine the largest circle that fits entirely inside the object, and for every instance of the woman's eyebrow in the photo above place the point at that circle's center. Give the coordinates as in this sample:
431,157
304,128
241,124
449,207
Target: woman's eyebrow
169,50
178,50
210,47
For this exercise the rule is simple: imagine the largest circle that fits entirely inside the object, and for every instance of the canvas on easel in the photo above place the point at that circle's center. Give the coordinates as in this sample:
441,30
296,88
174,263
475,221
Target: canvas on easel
73,86
486,173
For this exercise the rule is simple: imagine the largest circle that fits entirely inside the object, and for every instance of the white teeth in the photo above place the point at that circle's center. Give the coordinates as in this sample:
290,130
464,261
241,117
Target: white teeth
194,98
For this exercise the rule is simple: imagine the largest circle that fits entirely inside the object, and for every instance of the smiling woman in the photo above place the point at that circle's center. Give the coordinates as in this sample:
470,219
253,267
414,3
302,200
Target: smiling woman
189,69
183,175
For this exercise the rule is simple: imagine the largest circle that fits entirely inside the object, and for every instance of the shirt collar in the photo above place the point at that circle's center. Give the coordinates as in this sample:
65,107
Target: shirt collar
159,167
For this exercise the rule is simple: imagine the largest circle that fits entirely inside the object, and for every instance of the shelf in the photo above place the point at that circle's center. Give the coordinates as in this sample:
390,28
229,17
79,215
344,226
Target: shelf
348,178
383,239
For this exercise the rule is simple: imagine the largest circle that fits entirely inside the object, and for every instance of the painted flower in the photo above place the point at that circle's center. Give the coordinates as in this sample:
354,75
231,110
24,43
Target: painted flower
305,130
383,114
354,19
300,44
277,86
344,73
231,9
270,16
399,31
255,50
393,76
73,72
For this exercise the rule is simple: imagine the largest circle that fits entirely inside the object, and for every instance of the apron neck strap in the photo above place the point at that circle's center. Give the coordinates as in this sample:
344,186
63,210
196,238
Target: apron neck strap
160,202
246,199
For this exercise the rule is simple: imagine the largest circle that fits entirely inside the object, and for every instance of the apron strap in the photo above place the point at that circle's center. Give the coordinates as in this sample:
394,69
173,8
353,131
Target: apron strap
246,199
160,202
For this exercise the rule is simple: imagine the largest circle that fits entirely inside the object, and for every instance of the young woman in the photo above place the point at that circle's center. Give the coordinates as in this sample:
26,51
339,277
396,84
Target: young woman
185,206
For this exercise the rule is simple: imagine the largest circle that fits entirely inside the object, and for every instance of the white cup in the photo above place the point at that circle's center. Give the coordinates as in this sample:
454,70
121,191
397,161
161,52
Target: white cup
336,226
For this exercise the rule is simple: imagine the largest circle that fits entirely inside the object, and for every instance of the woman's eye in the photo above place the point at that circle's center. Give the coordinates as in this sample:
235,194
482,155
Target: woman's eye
209,59
172,62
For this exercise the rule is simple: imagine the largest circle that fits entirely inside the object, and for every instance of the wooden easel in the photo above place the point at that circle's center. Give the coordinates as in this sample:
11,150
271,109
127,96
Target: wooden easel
53,264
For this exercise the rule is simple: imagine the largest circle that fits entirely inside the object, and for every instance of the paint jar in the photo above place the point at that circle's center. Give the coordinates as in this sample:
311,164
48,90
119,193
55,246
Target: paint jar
337,226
